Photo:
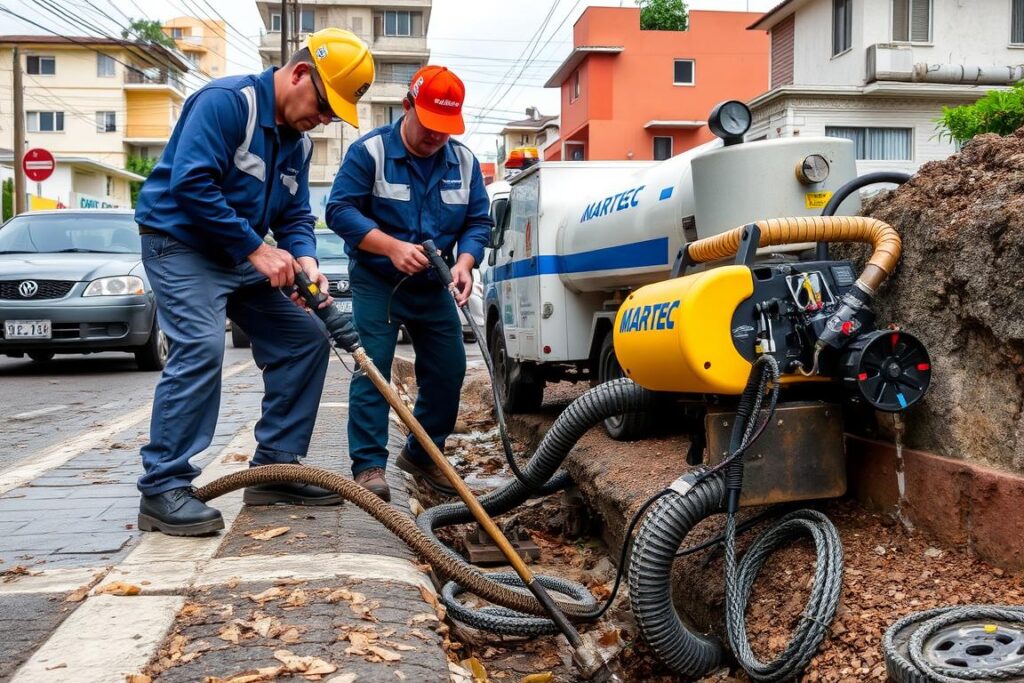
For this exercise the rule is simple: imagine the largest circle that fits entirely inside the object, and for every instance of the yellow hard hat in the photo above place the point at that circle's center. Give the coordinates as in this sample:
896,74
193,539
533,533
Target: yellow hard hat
345,67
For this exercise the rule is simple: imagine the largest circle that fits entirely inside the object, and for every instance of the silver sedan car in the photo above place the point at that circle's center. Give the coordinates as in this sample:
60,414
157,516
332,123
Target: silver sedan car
73,282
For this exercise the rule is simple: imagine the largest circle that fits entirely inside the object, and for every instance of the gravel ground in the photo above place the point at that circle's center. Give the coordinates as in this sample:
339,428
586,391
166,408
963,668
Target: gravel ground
890,571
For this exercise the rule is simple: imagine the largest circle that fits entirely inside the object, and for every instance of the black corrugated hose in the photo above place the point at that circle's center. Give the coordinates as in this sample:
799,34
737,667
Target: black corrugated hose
692,499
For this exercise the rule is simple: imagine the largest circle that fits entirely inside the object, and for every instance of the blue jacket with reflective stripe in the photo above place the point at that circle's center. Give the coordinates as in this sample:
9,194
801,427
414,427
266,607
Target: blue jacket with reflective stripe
376,187
229,174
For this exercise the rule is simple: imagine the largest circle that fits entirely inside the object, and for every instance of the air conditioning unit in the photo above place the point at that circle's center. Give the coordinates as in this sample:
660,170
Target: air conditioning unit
890,62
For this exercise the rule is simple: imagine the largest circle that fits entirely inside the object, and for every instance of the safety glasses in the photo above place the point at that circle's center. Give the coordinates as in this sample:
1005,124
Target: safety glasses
322,105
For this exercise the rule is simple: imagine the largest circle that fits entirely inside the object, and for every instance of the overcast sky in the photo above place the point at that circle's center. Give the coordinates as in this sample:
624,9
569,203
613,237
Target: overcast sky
486,42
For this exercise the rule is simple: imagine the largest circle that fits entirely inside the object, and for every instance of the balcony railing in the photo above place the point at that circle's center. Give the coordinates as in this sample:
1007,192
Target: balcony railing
152,76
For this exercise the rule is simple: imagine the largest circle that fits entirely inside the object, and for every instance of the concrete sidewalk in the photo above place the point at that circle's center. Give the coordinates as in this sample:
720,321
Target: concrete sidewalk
306,591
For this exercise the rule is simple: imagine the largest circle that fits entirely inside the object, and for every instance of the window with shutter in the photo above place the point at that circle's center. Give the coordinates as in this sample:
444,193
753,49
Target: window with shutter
842,26
912,21
1017,22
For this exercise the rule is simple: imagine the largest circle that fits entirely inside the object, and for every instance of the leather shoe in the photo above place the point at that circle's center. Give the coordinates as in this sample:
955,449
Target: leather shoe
428,472
289,493
373,481
178,513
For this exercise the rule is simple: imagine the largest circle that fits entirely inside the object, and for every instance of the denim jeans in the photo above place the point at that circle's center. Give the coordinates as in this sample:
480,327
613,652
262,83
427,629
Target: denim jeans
430,316
194,294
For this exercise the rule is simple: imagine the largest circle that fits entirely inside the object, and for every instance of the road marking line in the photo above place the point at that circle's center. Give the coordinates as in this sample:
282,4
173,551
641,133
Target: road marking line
104,640
36,413
55,456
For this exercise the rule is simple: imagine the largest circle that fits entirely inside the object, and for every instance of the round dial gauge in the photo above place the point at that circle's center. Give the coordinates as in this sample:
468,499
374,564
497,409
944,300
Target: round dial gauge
813,169
730,119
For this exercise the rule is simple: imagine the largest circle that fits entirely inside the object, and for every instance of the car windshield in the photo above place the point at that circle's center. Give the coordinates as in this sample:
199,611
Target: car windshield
330,247
101,233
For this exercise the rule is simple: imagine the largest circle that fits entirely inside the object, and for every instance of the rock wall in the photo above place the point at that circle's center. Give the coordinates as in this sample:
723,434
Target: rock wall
960,289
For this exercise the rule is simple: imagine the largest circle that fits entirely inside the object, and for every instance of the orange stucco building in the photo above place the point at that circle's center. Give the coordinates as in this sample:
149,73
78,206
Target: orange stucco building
632,94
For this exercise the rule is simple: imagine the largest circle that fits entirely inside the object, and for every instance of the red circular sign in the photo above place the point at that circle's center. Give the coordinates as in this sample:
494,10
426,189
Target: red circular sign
38,164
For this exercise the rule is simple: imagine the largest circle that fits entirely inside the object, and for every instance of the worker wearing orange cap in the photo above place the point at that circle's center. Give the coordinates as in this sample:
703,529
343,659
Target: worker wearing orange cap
399,185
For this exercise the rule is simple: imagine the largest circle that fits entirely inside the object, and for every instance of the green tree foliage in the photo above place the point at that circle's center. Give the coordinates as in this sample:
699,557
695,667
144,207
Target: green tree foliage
662,15
148,30
137,164
999,111
8,198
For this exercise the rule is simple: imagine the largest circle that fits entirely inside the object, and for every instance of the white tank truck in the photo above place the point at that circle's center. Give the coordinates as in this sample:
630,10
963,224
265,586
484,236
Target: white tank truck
573,239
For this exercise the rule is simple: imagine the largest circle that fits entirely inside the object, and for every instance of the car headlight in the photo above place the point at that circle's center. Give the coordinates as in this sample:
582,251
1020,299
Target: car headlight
122,285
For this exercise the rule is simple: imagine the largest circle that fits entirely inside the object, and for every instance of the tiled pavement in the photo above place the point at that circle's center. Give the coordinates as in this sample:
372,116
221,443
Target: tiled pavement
75,524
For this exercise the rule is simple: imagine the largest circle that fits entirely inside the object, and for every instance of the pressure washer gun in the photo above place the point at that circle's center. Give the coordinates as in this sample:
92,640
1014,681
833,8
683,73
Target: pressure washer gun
437,262
338,323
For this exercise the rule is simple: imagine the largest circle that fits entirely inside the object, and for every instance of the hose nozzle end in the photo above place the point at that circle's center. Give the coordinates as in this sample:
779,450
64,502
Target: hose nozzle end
593,667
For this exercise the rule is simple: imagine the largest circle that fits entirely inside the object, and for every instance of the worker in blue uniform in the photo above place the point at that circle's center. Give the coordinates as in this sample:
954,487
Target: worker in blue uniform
399,185
235,169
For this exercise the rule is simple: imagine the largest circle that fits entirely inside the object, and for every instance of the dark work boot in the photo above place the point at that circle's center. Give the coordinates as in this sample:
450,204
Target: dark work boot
373,481
289,493
428,472
178,513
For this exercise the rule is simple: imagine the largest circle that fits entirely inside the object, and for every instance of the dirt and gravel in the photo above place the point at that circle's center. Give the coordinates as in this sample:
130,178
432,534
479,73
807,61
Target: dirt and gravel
889,571
958,288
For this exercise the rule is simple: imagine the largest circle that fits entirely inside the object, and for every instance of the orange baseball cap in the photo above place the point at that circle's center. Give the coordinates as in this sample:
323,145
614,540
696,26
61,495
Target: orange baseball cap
438,95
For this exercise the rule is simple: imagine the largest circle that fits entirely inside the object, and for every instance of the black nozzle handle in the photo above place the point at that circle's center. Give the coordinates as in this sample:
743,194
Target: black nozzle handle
437,261
309,290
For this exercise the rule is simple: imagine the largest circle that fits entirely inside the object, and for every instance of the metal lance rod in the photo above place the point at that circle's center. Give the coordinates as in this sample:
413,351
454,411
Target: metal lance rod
340,327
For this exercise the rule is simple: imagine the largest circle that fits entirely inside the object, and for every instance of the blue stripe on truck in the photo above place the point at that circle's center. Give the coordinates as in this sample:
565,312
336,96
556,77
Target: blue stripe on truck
635,255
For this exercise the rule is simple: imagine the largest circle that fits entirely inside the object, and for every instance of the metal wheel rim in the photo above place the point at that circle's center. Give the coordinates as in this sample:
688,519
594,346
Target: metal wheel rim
500,361
162,346
981,645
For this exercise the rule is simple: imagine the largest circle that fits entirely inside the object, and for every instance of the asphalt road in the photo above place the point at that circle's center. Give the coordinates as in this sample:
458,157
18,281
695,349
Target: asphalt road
44,404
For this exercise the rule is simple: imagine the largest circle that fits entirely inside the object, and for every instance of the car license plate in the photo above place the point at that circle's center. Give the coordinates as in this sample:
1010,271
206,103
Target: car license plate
345,305
27,329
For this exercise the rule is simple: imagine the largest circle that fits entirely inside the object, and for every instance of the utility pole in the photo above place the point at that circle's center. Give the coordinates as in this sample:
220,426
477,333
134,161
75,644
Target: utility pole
284,32
19,137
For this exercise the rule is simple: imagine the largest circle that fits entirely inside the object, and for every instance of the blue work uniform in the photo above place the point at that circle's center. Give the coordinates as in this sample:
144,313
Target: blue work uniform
228,176
380,185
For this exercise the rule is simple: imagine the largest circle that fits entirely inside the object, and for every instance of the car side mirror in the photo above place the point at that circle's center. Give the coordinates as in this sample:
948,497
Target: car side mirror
497,236
492,257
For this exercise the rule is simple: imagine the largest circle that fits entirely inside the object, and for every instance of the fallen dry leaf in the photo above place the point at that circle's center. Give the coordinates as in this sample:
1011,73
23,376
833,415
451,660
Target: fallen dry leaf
297,598
267,534
269,594
420,618
235,457
342,678
290,636
386,655
304,665
191,609
250,676
475,667
360,642
78,595
230,633
545,677
609,638
137,678
400,646
118,588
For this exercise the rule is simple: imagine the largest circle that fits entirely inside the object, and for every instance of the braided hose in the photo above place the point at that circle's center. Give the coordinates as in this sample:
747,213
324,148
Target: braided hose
398,523
884,238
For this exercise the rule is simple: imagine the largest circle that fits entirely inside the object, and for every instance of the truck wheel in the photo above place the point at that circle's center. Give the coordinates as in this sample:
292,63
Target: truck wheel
519,386
239,339
153,355
628,426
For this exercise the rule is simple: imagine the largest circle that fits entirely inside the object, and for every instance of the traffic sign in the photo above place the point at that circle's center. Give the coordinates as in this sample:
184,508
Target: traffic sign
38,164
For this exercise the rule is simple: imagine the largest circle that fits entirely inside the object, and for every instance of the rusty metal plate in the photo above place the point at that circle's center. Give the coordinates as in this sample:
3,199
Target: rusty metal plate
483,552
800,456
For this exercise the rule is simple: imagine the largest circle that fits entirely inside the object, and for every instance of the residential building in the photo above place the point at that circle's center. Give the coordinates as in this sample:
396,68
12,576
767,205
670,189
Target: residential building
92,102
202,41
633,94
879,72
536,130
77,182
396,33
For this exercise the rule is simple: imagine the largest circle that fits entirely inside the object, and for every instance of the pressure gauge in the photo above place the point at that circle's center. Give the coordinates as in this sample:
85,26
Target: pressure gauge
813,169
729,120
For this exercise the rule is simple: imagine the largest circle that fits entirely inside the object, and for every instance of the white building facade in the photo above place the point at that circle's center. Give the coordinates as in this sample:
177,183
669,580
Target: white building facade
879,72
